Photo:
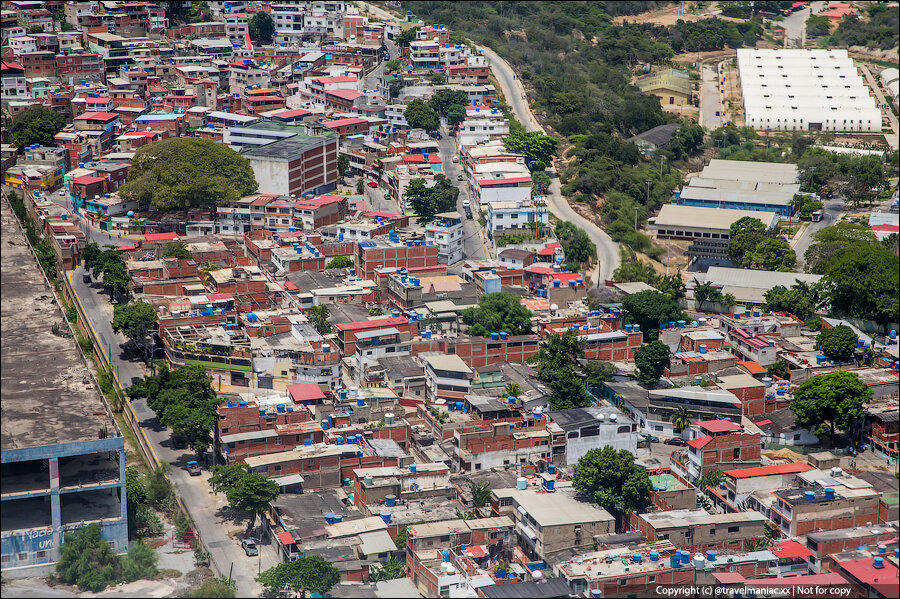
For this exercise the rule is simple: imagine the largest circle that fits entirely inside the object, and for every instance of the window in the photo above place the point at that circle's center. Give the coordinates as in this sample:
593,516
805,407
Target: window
734,528
22,556
477,466
712,531
737,453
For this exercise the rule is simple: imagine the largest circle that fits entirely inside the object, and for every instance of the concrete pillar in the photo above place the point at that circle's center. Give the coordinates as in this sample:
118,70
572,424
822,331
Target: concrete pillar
124,495
55,510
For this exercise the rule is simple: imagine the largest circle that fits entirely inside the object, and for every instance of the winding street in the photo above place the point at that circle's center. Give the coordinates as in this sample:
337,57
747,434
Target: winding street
607,249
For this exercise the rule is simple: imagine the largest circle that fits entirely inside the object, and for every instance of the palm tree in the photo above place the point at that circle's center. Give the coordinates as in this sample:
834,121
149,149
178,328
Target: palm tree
512,390
481,493
681,418
318,316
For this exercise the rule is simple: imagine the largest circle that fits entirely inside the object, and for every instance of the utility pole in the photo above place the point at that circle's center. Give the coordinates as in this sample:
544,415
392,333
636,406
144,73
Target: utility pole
661,160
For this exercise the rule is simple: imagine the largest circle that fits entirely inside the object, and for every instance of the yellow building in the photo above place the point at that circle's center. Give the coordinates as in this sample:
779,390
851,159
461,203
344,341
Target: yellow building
672,86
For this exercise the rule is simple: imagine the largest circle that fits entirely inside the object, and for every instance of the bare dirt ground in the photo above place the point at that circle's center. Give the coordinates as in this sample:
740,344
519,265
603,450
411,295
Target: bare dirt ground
669,15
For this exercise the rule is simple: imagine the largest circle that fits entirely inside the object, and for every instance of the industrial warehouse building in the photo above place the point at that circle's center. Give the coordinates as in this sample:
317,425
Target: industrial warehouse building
688,222
805,90
742,185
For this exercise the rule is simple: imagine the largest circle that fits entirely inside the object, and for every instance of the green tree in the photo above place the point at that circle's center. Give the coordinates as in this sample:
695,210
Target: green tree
261,27
184,172
651,360
340,262
578,247
711,479
389,570
360,186
780,369
436,78
226,476
801,300
392,65
318,316
428,201
838,343
443,99
538,149
773,254
613,480
481,493
90,255
343,165
456,114
184,401
253,493
309,573
862,282
421,116
136,321
512,390
86,560
648,309
404,37
830,242
498,312
832,400
567,393
597,372
177,250
138,563
215,588
744,235
681,418
35,125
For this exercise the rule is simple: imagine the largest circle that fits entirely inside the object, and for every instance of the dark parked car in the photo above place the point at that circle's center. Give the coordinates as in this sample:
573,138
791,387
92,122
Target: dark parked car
649,437
676,441
193,468
86,278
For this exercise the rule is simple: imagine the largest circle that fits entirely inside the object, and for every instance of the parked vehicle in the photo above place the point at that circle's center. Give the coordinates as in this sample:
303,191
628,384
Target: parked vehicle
249,547
649,437
193,468
86,278
816,216
372,184
459,177
677,441
455,160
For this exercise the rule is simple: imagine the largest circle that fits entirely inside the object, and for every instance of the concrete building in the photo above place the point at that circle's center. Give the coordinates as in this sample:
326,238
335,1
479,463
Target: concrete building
554,521
720,444
446,232
805,90
63,459
742,185
516,217
446,377
297,165
699,530
594,428
688,222
749,286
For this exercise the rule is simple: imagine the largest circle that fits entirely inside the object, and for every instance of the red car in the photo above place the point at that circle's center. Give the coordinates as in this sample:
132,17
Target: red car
677,441
372,184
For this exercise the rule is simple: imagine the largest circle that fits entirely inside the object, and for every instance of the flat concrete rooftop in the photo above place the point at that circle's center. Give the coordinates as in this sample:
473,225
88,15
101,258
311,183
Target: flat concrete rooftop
45,398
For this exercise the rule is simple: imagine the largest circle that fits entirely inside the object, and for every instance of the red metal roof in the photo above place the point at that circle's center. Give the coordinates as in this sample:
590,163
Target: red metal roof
354,120
161,237
290,286
790,549
432,158
265,98
565,277
97,116
338,79
489,182
301,392
289,114
700,443
320,201
792,468
87,180
718,426
371,324
764,422
729,577
864,571
286,538
346,94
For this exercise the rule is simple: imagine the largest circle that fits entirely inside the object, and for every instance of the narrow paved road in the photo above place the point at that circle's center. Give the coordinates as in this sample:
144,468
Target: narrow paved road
892,139
710,101
475,246
795,28
194,491
831,211
607,249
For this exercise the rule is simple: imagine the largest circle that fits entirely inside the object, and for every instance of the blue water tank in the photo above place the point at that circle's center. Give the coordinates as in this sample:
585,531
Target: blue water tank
307,441
338,518
636,557
445,555
329,518
242,404
386,516
628,328
711,555
412,468
551,468
360,402
654,555
339,441
390,500
675,560
504,335
495,336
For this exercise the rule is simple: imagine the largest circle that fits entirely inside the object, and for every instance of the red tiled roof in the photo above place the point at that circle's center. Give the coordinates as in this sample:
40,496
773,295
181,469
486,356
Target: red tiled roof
565,277
11,65
752,367
301,392
338,79
371,324
290,286
323,200
791,468
718,426
729,577
790,549
417,158
265,98
700,443
98,100
888,228
161,237
764,422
